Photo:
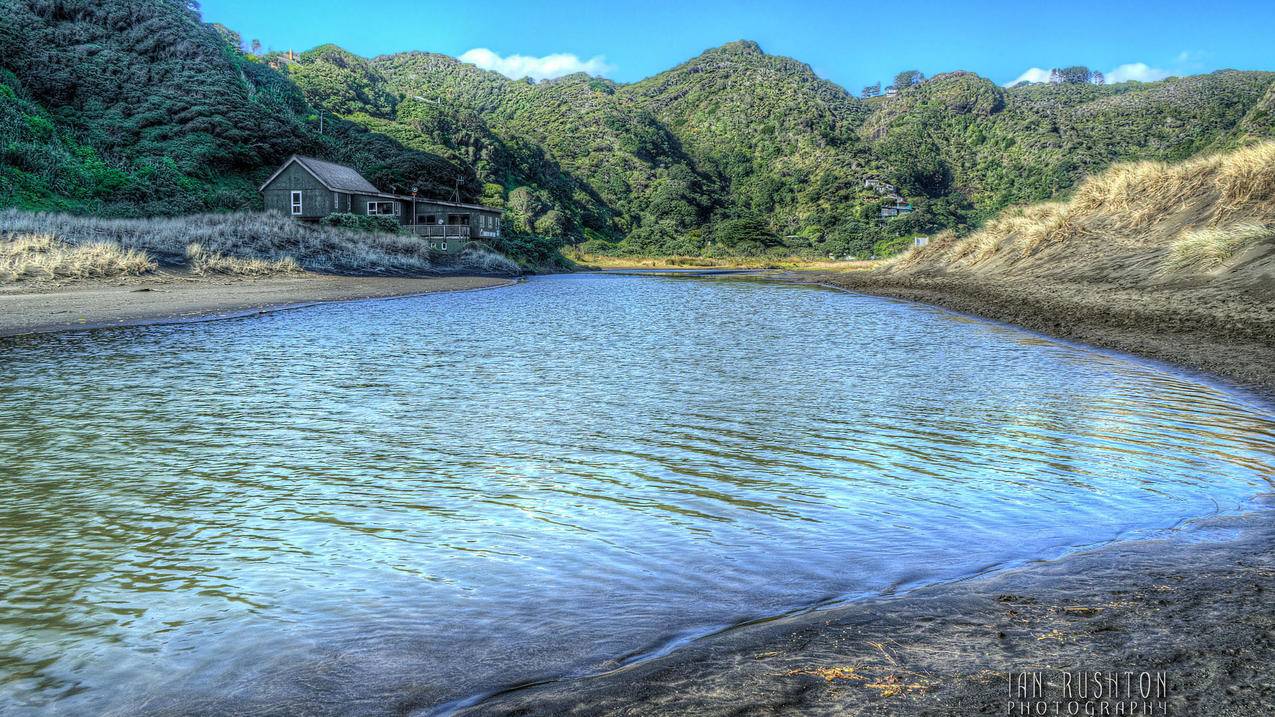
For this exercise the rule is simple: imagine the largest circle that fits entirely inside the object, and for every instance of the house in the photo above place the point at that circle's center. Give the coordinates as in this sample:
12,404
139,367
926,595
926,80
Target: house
880,187
310,189
900,206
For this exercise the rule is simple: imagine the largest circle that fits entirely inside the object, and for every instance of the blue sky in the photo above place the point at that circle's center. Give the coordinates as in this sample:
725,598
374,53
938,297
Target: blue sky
851,43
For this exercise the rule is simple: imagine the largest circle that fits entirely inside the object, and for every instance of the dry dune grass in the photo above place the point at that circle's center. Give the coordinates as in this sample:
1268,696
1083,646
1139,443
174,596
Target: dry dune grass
43,256
1138,222
204,263
1211,248
244,244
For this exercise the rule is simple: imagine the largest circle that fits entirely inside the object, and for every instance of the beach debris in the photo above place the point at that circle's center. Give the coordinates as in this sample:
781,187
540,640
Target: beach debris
831,674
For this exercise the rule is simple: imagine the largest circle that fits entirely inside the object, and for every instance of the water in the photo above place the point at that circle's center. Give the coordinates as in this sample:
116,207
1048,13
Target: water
384,507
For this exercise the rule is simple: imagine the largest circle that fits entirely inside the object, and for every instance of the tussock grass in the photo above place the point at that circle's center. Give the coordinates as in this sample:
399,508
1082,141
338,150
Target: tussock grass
43,256
241,244
1210,248
204,263
1133,222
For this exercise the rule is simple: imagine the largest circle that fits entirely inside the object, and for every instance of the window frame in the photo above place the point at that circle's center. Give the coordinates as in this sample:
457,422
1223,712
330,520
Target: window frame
298,202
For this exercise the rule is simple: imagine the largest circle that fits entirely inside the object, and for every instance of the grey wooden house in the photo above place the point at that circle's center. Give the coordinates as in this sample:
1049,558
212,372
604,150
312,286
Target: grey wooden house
311,189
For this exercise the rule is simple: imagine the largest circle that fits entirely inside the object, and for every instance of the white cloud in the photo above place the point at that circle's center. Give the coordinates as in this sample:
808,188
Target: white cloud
516,67
1035,74
1140,71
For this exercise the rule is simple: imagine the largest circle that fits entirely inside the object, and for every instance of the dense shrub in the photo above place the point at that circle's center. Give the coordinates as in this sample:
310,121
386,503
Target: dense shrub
362,223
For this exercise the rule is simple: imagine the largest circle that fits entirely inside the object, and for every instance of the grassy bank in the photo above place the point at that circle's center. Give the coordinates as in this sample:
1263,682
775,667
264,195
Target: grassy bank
62,247
1146,224
1174,262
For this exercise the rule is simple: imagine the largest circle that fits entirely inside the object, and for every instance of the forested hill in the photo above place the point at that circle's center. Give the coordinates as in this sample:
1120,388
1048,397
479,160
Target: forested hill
135,106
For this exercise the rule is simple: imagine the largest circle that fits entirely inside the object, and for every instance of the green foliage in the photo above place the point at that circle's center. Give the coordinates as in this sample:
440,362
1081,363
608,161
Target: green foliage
889,247
907,78
163,116
748,237
734,151
362,223
1074,75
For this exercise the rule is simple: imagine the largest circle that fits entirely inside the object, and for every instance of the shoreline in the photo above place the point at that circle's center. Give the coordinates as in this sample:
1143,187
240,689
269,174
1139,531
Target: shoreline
1140,605
175,299
1132,604
1225,335
1143,605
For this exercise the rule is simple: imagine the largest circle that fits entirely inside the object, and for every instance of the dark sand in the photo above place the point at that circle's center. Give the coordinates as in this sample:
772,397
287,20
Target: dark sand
1197,604
33,308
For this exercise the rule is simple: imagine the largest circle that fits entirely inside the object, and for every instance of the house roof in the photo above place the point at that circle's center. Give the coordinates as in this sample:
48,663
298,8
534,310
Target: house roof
340,178
336,177
440,202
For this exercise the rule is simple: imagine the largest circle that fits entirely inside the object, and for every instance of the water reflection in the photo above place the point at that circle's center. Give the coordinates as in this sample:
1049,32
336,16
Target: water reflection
381,507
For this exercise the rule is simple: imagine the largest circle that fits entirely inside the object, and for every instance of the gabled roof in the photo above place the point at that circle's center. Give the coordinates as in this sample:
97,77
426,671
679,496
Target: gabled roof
340,178
336,177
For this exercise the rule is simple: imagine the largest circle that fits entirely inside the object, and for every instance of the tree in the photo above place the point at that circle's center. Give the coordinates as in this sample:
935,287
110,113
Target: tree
1099,78
1074,75
256,47
872,90
908,78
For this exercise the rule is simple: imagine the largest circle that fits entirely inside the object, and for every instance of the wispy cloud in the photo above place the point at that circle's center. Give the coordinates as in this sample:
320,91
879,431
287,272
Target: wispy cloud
1140,71
516,67
1035,74
1184,63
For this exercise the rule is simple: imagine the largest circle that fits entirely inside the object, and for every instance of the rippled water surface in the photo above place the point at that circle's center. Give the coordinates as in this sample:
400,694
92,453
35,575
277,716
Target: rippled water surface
384,507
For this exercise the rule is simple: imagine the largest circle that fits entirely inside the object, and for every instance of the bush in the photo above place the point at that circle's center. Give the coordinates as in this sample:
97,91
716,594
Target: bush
361,223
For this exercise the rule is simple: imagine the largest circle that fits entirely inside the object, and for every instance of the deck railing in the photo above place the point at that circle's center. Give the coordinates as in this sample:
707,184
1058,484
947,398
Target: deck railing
440,231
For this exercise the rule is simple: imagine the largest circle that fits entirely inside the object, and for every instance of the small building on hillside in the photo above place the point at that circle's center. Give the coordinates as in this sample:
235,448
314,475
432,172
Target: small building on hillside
900,206
310,189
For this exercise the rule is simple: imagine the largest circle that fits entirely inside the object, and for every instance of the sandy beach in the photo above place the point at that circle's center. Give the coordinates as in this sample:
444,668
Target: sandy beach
27,308
1196,606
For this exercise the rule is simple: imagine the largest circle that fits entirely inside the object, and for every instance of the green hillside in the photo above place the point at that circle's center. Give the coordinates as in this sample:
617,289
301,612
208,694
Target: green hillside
134,107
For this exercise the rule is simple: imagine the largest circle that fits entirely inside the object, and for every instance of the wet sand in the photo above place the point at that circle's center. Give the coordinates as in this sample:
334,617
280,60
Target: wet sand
32,308
1197,605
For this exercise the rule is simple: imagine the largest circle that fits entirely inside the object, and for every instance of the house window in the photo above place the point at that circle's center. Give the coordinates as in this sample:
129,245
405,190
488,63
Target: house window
375,208
297,203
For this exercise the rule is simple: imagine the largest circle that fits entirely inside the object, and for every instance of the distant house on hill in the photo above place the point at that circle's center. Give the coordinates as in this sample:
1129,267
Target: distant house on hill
898,206
893,210
310,189
879,186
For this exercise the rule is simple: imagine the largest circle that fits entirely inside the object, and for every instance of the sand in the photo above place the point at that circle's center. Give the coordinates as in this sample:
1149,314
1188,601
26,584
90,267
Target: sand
1197,606
27,308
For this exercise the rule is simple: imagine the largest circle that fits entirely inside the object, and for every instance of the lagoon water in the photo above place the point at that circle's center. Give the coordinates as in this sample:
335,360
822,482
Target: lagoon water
385,507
